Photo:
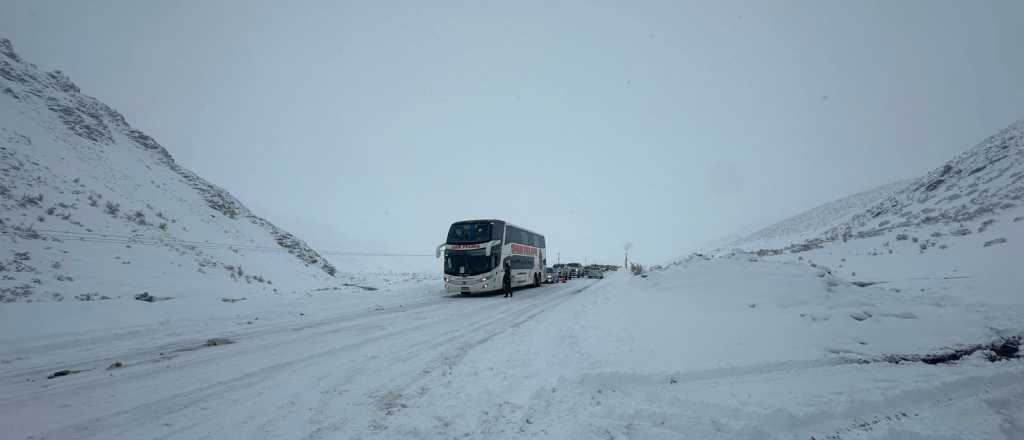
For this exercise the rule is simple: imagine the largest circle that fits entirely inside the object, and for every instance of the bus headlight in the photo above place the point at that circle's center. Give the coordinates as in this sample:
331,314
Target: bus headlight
484,278
446,279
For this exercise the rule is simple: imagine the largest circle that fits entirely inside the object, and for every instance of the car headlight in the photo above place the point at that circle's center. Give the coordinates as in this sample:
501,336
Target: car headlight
446,279
484,278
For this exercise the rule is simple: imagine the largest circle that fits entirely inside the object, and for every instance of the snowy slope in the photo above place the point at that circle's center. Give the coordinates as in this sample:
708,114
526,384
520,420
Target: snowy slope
981,187
957,229
92,208
815,222
982,184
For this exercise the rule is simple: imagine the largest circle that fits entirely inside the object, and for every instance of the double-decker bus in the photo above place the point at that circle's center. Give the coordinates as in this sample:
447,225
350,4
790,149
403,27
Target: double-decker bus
476,249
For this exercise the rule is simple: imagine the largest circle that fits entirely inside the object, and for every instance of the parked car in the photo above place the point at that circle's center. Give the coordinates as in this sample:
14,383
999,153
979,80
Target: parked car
575,270
550,276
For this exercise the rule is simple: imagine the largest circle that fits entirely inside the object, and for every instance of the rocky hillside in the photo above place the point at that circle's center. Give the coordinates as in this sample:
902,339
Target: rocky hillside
973,189
92,208
815,222
967,195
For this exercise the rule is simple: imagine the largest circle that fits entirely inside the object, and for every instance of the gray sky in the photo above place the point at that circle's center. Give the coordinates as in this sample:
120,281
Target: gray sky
664,124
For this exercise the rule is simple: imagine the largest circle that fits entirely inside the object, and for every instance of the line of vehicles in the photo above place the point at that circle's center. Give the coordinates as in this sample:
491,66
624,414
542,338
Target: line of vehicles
475,253
562,272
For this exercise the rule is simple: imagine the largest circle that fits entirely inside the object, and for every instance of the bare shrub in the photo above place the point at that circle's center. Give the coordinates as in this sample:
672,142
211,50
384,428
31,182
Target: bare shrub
26,201
996,241
960,232
26,232
112,208
138,217
985,224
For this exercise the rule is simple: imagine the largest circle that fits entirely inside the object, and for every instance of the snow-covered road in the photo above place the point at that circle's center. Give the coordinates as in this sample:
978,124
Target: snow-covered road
728,348
299,378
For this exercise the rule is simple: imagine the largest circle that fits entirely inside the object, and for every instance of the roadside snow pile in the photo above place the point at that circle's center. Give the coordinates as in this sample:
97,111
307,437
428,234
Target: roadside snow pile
92,209
740,349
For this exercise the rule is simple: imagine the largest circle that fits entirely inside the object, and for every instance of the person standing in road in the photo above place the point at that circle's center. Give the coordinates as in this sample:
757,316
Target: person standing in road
506,280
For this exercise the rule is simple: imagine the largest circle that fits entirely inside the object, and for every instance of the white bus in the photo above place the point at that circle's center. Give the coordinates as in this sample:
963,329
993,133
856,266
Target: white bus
476,249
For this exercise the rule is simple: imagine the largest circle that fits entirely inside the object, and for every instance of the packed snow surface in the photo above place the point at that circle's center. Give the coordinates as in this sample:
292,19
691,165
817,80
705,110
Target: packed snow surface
728,347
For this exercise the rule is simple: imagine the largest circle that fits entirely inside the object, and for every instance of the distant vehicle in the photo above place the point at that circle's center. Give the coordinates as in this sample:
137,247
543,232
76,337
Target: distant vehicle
575,270
595,273
551,276
474,252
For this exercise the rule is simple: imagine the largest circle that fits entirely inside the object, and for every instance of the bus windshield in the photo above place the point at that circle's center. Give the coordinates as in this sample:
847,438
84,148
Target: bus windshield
468,262
475,232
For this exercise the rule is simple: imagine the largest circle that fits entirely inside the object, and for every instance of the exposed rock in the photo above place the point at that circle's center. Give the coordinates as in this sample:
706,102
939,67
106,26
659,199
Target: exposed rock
996,241
218,341
62,373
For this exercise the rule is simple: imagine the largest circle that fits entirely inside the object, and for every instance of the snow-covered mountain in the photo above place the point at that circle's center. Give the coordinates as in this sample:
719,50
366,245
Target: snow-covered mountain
967,195
92,208
815,222
957,229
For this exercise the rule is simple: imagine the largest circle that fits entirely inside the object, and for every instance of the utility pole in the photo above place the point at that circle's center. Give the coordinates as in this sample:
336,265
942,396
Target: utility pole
559,258
625,261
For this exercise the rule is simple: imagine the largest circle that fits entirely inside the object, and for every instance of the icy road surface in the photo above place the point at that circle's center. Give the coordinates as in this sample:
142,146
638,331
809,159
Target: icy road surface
730,348
316,377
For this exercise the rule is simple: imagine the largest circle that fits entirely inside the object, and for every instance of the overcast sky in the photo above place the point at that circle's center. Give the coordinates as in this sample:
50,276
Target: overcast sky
665,124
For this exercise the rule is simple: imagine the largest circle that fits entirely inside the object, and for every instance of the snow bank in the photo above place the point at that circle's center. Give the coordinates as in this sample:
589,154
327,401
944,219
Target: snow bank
734,348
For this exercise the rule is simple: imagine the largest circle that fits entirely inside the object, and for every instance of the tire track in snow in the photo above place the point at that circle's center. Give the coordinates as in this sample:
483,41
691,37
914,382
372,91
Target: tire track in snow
415,340
128,343
392,399
140,353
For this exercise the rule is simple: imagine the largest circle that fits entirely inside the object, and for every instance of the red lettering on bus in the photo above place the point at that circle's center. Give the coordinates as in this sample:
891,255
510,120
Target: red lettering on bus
519,249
